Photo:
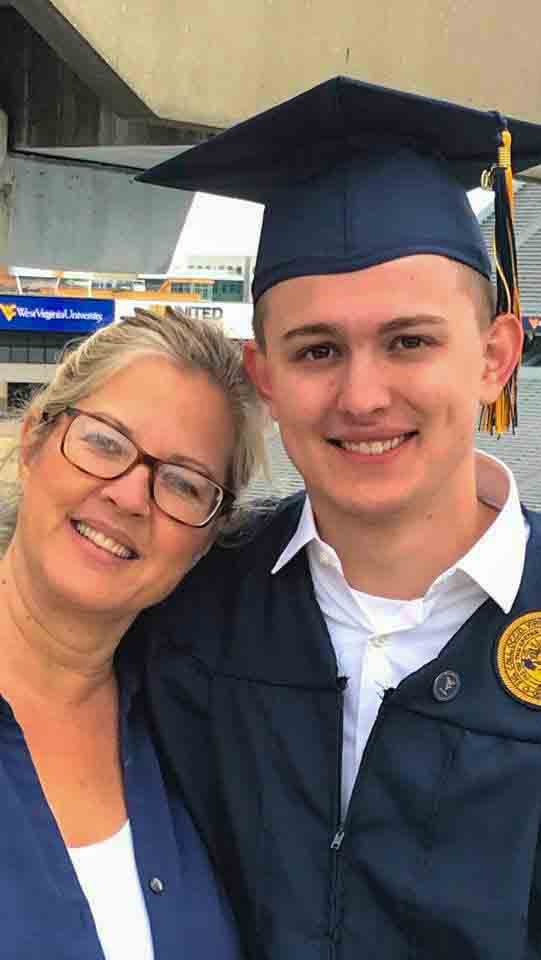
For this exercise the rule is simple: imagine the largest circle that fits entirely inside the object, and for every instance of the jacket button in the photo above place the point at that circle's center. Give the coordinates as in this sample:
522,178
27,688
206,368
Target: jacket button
156,885
446,686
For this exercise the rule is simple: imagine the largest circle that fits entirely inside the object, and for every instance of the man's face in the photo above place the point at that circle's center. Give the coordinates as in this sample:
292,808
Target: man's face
375,379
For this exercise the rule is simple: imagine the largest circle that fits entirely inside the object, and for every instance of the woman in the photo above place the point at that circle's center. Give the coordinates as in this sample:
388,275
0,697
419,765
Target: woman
129,462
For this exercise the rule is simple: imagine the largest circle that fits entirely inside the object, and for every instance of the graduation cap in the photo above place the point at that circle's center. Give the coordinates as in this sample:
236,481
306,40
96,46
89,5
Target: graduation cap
353,175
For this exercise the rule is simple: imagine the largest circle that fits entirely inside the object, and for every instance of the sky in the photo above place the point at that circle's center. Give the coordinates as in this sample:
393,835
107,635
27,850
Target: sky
219,226
480,199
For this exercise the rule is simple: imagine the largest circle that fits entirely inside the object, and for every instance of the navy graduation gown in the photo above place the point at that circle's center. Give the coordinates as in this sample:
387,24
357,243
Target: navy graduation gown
438,856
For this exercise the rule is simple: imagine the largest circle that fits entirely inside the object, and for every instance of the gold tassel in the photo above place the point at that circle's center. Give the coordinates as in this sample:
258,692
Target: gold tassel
499,416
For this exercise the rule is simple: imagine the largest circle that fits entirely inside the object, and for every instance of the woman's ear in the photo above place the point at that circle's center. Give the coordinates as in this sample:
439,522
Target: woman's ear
26,444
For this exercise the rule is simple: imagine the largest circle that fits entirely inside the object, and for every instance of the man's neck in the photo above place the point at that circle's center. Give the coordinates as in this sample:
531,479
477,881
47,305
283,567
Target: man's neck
400,556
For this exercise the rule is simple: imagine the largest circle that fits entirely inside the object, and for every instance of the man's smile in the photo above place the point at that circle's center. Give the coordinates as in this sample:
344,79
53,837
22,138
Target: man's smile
372,447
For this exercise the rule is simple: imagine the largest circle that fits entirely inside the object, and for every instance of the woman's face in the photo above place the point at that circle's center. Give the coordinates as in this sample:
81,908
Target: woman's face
174,414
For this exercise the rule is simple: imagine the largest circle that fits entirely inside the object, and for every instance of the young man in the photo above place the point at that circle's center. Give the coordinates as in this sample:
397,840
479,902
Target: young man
350,699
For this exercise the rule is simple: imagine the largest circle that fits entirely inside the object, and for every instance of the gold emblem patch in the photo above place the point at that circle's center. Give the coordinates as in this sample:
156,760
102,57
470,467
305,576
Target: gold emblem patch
518,659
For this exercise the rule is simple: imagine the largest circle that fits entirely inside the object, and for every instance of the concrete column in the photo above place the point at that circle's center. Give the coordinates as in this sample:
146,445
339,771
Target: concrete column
247,269
6,189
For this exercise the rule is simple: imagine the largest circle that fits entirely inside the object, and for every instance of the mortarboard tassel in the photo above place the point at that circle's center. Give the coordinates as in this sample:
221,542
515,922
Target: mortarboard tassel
499,416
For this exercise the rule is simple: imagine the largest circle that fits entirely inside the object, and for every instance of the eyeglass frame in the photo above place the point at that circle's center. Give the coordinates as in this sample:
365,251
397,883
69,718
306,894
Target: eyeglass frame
227,495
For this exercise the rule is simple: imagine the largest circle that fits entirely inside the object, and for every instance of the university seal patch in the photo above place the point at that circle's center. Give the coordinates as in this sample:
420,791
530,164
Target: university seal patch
518,659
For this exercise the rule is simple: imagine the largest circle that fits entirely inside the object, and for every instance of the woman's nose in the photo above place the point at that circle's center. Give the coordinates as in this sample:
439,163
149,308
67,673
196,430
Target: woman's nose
131,492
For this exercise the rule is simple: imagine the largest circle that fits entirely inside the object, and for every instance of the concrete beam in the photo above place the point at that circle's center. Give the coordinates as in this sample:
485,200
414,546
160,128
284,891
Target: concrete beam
79,217
54,102
213,64
78,52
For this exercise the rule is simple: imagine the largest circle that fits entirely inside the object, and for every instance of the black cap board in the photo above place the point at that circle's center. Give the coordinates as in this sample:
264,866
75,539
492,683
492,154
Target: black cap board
353,175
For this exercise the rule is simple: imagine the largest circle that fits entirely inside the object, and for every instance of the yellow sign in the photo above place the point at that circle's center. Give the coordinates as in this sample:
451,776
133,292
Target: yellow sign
518,658
9,310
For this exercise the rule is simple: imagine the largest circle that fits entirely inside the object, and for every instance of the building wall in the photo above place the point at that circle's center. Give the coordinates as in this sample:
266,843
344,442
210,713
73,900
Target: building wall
9,434
76,217
22,373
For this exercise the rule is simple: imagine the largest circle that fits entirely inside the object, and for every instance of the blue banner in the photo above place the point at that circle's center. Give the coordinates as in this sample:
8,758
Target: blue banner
58,314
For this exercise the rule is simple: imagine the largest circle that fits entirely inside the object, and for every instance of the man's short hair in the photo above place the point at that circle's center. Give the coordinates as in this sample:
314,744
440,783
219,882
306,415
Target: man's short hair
478,286
482,290
258,324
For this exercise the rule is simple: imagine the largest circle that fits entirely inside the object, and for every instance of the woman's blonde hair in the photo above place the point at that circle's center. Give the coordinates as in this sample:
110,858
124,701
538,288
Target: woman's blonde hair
198,344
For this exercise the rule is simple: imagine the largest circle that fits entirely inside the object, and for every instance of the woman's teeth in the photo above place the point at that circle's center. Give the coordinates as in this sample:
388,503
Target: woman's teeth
374,446
106,543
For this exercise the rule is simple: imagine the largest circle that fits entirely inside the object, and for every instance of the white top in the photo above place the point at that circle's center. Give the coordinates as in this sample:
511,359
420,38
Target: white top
379,641
109,880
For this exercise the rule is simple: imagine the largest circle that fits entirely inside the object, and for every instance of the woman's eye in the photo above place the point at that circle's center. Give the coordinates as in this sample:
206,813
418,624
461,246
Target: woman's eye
103,443
180,485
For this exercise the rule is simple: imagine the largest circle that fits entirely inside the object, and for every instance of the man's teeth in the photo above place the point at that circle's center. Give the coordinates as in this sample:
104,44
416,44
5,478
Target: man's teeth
106,543
374,446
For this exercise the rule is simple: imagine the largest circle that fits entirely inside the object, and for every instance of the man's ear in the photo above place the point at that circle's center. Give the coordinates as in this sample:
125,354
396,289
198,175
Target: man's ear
258,368
503,350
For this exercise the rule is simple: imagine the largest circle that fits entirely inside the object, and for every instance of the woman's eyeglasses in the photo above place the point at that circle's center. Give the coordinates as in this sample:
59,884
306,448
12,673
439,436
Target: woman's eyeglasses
103,451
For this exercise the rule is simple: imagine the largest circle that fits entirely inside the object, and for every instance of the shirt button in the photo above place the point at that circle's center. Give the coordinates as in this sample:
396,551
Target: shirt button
378,641
446,686
156,885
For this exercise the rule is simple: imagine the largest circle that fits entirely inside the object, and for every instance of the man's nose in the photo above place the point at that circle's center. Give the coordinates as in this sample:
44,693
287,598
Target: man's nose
364,387
131,492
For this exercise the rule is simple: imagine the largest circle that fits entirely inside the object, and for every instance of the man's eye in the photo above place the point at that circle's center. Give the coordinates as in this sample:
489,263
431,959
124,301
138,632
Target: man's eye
408,341
320,351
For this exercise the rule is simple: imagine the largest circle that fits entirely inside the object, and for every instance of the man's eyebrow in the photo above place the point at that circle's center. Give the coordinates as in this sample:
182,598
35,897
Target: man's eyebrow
405,323
177,458
389,326
313,329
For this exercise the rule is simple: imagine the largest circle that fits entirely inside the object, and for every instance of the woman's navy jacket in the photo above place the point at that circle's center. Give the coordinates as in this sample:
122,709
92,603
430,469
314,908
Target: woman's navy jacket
44,914
439,855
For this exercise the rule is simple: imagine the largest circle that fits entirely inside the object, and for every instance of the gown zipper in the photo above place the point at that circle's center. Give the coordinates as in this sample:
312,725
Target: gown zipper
340,831
341,685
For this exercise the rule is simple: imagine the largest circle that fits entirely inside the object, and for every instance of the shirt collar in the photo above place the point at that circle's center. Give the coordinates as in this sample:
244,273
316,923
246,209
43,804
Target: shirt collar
495,562
305,533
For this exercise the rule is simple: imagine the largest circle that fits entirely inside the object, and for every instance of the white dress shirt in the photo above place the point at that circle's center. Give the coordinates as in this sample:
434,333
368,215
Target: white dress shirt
378,641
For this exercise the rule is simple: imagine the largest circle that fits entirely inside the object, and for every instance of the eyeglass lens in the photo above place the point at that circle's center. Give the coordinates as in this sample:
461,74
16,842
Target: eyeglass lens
104,452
